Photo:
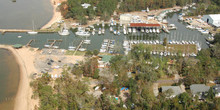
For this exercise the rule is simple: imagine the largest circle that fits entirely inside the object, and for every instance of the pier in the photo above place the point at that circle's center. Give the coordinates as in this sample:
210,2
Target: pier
78,47
51,43
13,30
29,43
24,31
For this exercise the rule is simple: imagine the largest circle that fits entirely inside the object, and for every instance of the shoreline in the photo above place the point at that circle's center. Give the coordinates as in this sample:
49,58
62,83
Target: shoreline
23,99
56,15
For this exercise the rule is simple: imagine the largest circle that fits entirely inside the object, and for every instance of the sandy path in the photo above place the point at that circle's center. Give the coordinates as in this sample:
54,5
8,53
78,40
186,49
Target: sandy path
56,14
25,59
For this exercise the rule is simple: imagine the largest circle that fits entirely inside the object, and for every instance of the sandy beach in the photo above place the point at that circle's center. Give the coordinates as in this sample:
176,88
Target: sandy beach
24,58
28,60
56,14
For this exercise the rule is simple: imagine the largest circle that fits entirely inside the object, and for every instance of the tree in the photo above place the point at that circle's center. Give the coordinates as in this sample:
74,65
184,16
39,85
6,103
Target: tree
95,52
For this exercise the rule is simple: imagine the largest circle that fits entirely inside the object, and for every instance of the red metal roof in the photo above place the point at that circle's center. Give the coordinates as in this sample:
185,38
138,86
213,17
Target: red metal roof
143,25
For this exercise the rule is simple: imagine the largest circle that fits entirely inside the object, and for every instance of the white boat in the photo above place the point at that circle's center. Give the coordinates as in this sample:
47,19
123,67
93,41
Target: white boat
118,32
129,30
19,36
46,45
125,32
158,31
103,31
150,30
134,30
82,33
111,29
82,49
56,47
102,50
71,48
87,41
154,31
147,31
142,30
93,32
100,31
64,31
205,32
115,32
32,32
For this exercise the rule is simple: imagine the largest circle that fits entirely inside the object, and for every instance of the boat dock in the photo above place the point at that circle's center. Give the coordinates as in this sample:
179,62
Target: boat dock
51,43
80,44
29,43
24,31
13,30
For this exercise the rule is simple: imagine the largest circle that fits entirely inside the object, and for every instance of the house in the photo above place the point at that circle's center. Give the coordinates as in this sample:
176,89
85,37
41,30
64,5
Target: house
200,90
212,19
104,61
171,91
216,90
125,18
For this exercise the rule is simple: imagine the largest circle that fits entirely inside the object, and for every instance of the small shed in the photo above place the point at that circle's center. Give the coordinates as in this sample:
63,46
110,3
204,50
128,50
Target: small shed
17,46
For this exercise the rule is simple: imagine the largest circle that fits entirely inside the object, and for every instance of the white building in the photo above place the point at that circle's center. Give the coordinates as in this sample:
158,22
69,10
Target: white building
212,19
125,18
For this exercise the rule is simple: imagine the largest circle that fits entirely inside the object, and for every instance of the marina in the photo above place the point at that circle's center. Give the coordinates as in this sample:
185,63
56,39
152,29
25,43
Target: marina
96,40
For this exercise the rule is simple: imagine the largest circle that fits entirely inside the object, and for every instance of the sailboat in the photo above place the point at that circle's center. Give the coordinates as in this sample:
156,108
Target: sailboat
63,31
32,32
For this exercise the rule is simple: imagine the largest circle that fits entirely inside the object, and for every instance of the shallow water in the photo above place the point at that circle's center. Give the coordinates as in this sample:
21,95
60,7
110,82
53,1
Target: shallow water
20,14
9,79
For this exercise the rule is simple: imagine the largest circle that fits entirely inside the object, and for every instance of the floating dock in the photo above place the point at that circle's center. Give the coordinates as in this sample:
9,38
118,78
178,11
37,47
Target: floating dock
29,43
80,44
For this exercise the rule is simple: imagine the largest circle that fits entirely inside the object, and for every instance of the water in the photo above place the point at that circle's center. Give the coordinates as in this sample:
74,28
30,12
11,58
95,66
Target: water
9,79
20,14
41,39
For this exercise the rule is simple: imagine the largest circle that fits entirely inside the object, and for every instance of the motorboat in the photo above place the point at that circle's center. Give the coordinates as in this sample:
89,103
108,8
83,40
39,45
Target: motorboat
100,31
56,47
82,33
115,32
111,29
134,30
47,45
125,32
93,32
87,41
150,31
129,30
158,31
142,30
19,36
118,32
71,48
147,31
103,31
82,49
154,31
